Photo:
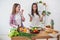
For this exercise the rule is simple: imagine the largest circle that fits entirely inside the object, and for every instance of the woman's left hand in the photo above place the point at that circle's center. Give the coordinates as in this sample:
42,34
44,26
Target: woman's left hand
22,12
23,19
41,19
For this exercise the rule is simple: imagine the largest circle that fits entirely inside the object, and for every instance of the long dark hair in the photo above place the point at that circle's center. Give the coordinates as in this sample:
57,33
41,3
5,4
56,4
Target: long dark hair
14,8
32,11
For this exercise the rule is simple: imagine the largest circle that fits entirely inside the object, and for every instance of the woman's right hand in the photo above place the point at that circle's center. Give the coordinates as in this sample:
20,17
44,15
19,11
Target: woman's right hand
21,12
23,19
30,19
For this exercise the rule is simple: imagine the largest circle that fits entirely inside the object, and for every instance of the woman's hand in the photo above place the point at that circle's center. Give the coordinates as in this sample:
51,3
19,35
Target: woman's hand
23,19
30,19
41,19
22,12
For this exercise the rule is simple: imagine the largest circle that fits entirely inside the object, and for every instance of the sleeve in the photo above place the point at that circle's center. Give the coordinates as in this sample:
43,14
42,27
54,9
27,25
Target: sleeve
11,22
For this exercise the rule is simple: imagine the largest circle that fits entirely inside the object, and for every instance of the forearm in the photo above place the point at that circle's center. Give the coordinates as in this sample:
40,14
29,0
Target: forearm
30,19
14,26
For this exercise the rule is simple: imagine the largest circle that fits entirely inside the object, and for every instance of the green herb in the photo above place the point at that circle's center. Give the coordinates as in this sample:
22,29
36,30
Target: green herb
14,32
40,1
26,34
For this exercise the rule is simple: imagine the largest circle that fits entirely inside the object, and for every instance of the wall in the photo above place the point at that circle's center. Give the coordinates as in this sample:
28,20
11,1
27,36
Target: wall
6,7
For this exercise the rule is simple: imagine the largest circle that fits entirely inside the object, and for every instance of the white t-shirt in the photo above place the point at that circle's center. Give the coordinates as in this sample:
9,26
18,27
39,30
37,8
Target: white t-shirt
35,20
18,19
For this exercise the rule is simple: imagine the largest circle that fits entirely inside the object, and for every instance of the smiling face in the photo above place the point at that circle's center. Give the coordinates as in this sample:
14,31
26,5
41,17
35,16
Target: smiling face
18,8
34,8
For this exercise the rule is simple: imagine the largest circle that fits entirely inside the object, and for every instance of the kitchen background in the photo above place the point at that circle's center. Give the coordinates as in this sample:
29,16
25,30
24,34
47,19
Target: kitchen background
6,7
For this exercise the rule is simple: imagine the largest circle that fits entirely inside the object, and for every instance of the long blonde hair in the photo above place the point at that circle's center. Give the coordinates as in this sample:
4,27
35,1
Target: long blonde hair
14,8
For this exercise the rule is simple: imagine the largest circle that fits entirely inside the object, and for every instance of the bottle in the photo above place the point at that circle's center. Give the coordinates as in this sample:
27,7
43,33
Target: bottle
18,28
52,23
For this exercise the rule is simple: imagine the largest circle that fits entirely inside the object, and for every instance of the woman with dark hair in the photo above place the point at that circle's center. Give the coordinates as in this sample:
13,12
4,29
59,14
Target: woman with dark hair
35,16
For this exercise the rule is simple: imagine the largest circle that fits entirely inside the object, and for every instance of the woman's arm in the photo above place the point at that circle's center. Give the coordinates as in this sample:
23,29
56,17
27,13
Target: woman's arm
41,18
30,19
11,22
23,19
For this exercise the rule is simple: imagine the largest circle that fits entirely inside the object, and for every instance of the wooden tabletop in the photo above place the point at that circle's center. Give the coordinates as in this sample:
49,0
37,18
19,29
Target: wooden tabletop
42,35
19,38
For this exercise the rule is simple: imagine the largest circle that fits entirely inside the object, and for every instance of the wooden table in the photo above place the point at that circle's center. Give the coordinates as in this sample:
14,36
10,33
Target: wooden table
19,38
42,35
58,37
